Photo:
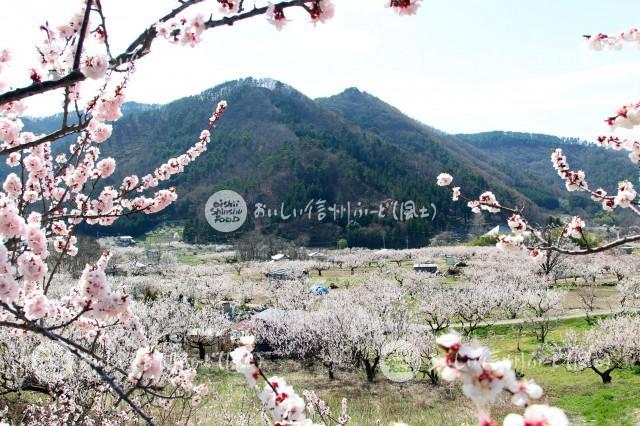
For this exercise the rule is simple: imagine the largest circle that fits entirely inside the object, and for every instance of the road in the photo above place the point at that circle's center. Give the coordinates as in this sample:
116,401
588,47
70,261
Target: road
596,312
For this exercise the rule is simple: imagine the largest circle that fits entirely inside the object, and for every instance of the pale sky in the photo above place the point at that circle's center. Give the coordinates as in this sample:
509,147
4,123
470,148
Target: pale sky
458,65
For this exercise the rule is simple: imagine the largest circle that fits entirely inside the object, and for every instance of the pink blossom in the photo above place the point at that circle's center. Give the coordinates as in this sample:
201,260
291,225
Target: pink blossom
12,185
286,406
517,224
147,365
598,194
8,288
538,415
626,194
98,131
13,108
59,244
488,202
444,179
536,255
228,6
11,223
59,227
36,306
220,109
275,16
129,182
243,361
36,240
405,7
106,167
31,266
201,389
509,244
162,199
108,109
321,10
449,341
197,24
5,57
189,38
524,392
93,284
94,66
13,159
9,129
574,228
455,193
474,206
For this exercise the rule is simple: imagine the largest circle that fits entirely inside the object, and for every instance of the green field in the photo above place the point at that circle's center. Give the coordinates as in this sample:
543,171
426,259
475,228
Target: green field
582,395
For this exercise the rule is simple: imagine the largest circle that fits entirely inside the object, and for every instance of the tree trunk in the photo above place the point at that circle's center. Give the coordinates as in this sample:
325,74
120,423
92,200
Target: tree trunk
201,351
329,367
604,375
371,368
519,336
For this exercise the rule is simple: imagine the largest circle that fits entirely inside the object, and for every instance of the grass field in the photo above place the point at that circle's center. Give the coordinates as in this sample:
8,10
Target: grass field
583,396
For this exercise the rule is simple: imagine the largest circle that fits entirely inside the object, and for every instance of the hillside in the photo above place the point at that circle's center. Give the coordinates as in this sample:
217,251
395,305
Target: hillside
516,152
275,145
278,147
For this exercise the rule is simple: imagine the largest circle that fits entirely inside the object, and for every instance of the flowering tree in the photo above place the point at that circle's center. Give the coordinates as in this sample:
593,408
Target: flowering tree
614,343
628,290
54,187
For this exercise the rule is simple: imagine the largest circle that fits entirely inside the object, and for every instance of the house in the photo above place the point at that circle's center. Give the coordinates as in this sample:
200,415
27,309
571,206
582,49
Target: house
278,257
628,249
497,230
125,241
316,255
281,274
425,267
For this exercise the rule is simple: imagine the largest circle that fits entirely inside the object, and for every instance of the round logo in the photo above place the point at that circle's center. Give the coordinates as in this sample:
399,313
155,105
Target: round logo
225,211
400,361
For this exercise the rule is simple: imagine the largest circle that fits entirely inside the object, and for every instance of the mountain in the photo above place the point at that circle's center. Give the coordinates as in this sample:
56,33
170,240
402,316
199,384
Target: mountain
529,152
278,147
391,124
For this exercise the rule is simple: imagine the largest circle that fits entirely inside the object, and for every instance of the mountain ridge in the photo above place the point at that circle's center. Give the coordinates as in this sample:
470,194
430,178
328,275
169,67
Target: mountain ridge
276,145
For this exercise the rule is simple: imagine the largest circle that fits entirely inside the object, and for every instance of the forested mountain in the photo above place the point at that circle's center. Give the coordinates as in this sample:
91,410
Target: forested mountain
517,152
278,147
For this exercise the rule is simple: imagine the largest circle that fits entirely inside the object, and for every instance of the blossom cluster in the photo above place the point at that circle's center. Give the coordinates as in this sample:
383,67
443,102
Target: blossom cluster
147,365
601,41
405,7
617,144
280,399
243,360
483,380
626,117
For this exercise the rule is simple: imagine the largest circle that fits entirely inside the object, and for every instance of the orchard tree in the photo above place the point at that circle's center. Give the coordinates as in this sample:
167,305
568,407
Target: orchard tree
438,306
614,343
628,292
542,301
